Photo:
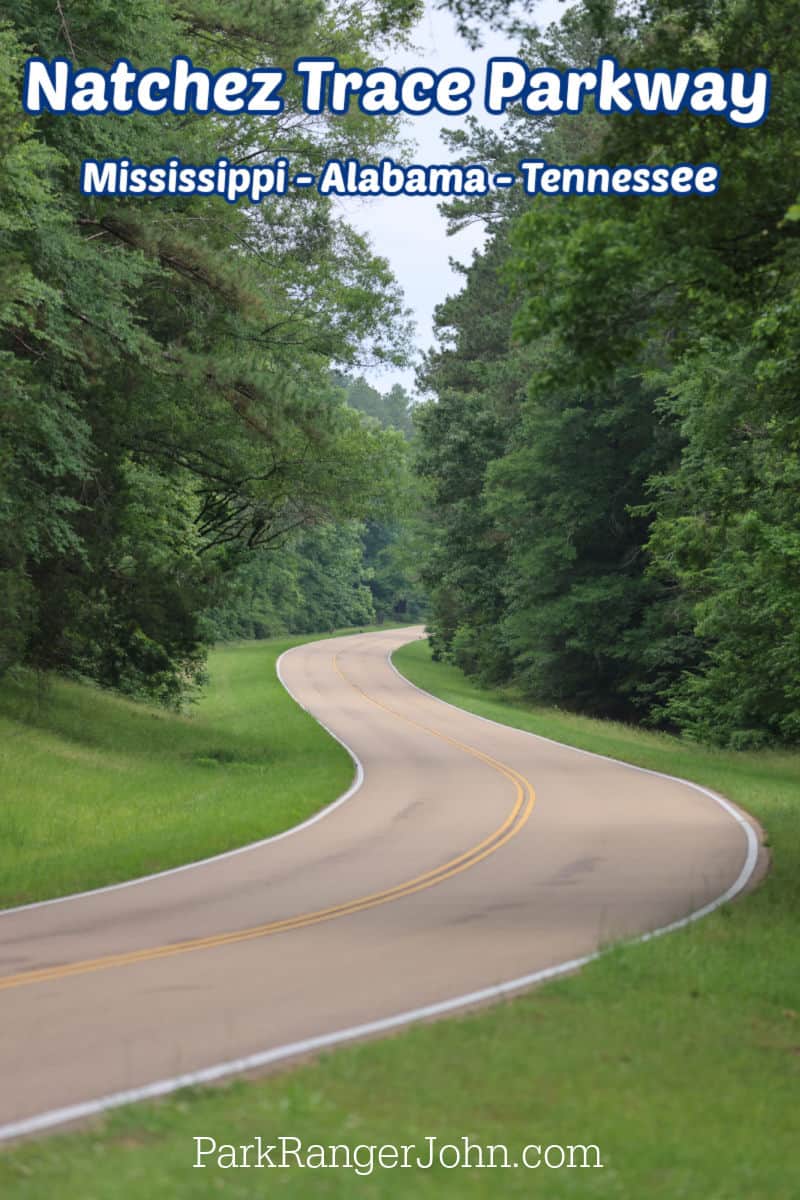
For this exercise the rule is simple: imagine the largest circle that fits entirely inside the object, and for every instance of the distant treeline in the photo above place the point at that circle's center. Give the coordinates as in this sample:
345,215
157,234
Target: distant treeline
613,445
334,575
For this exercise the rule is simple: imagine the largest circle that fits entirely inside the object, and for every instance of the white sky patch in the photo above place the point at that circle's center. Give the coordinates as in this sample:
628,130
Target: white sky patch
409,231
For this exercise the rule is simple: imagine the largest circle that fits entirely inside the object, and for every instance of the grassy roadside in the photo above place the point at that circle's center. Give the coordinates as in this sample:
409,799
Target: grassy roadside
97,788
766,783
680,1058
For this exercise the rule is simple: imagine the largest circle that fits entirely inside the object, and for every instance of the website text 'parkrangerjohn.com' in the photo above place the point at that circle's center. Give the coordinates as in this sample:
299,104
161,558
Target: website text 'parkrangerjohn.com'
286,1152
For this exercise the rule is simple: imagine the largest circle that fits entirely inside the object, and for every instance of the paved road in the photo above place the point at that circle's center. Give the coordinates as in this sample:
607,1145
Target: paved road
441,875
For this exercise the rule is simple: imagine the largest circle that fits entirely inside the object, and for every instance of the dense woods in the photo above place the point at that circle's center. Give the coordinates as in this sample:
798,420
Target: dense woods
336,574
613,442
169,411
604,505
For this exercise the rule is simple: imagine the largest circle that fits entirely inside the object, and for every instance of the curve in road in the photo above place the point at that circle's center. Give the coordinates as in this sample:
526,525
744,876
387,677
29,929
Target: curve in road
430,887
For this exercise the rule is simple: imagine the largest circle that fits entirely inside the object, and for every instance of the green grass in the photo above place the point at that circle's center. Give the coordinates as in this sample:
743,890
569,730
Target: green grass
98,789
766,783
680,1058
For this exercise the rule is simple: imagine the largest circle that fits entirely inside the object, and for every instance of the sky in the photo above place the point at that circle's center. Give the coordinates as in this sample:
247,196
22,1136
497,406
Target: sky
409,231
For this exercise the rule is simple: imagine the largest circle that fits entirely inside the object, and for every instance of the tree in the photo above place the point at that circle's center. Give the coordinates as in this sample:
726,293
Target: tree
627,542
168,361
391,548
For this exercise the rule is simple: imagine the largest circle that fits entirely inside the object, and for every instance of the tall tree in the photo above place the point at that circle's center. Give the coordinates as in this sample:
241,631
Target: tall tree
169,400
644,493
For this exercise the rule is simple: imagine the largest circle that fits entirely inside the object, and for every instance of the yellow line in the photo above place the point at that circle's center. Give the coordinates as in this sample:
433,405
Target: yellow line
510,827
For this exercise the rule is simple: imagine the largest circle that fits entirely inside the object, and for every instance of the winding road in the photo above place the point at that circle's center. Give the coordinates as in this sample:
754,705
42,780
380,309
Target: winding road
470,860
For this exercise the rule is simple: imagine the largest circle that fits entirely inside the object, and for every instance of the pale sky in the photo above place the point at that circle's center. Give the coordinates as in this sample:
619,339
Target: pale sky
408,230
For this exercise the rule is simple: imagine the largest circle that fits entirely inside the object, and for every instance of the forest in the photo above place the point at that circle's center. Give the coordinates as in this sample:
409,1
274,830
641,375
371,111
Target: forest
612,444
178,459
596,498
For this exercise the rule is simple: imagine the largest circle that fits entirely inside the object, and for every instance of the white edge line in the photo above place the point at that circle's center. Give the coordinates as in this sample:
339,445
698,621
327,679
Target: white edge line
745,822
264,1058
202,862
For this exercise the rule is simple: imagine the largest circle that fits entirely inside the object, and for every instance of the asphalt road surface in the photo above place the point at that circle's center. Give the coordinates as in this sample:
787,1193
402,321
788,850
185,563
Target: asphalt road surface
471,855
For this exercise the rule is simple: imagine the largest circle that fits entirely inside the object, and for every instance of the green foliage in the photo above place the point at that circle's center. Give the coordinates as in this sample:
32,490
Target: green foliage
618,532
392,548
479,378
728,529
392,409
167,408
347,573
317,582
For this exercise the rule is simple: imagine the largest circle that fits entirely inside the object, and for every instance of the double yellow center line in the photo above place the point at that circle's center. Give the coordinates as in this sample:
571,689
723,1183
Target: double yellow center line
513,823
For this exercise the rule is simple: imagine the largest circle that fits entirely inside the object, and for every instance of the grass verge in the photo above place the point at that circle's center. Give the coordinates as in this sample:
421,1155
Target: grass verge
679,1058
98,788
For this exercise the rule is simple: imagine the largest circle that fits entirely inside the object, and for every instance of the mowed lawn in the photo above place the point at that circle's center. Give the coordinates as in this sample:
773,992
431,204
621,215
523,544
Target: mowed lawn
679,1058
97,789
